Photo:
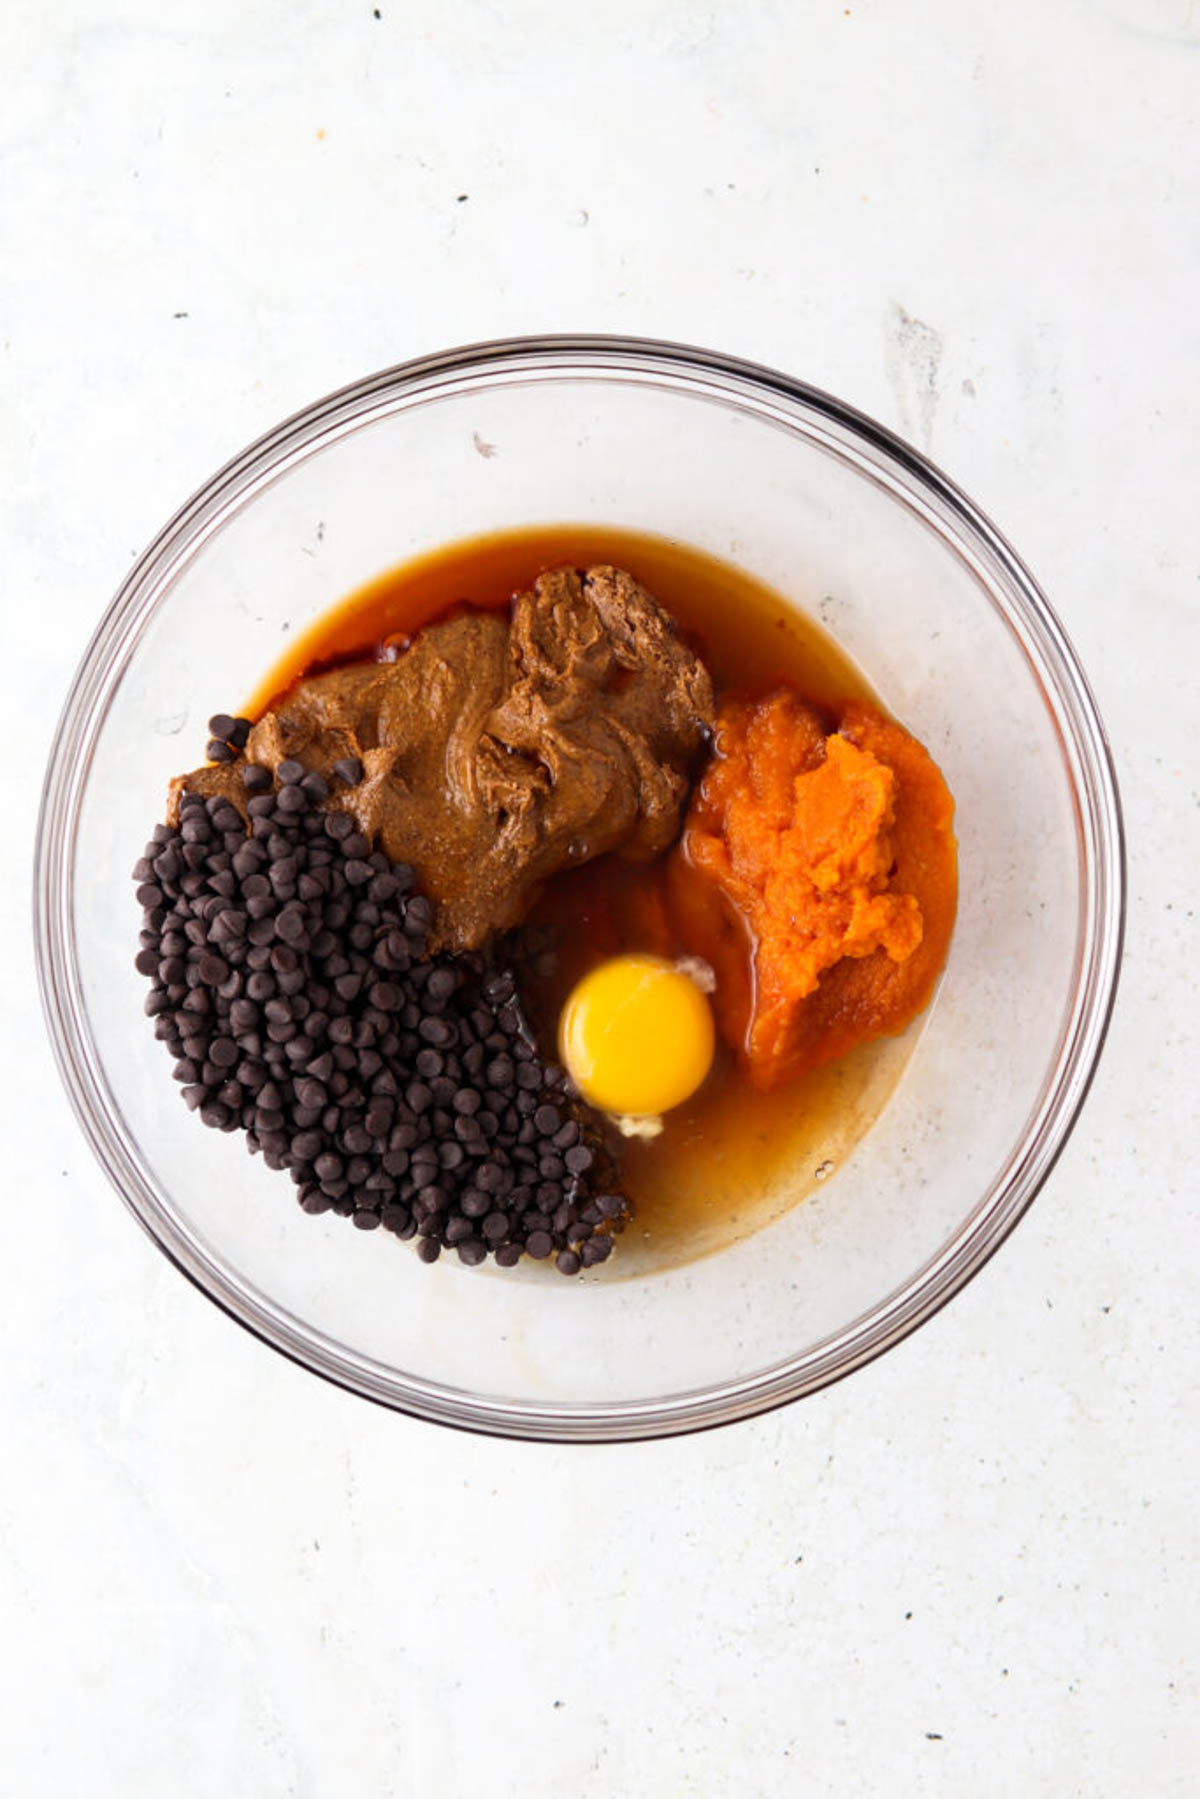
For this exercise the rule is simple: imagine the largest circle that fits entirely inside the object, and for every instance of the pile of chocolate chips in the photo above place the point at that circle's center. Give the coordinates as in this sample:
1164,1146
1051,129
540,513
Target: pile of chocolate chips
289,981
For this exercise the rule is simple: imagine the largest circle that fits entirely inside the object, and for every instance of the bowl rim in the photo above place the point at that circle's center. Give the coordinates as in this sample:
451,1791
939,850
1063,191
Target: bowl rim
1090,770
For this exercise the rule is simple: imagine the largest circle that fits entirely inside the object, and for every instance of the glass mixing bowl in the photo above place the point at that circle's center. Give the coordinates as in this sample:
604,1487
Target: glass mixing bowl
916,585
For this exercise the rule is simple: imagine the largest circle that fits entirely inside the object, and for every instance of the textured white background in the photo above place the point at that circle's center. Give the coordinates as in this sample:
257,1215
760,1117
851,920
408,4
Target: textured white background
972,1568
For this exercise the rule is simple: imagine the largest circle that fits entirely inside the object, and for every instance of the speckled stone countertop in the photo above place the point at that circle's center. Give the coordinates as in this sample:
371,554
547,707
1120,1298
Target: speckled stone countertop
970,1569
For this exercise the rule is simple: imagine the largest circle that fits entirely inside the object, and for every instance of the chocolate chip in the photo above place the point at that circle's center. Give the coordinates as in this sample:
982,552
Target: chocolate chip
420,917
297,1007
256,779
437,1031
290,925
348,769
442,981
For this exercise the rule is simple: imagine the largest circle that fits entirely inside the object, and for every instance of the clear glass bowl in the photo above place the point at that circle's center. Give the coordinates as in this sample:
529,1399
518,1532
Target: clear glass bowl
848,523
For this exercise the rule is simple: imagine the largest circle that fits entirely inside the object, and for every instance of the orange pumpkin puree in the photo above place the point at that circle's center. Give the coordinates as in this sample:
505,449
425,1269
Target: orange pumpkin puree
817,873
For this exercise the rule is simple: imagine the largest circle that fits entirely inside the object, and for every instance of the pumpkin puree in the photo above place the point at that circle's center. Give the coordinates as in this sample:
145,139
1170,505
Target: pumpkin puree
818,875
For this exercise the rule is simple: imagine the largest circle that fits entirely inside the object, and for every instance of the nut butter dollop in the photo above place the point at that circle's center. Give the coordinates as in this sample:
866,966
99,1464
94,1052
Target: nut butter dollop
496,751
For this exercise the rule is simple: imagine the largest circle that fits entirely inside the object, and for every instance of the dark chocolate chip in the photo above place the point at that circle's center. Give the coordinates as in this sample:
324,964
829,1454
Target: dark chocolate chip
294,1003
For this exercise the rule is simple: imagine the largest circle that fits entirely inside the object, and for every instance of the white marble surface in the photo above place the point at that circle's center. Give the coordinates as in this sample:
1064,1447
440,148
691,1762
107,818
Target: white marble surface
972,1568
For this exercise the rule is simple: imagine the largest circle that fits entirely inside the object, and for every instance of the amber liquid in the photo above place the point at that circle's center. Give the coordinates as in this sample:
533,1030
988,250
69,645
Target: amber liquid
731,1159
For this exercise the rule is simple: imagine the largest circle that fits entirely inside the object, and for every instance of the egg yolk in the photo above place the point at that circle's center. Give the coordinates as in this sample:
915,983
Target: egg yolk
636,1036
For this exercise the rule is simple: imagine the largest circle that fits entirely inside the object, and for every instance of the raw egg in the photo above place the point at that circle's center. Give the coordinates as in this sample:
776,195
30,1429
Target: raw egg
636,1036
